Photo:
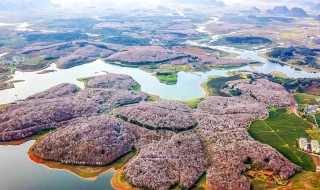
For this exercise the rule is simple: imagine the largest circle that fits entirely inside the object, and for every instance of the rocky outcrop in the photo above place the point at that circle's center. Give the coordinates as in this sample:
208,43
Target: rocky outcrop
164,164
112,81
168,115
139,55
87,141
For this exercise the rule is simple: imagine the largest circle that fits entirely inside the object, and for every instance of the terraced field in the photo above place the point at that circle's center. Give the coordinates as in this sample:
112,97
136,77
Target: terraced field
280,131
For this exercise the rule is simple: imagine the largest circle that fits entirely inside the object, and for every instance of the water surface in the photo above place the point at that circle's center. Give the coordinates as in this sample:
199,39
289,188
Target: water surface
18,172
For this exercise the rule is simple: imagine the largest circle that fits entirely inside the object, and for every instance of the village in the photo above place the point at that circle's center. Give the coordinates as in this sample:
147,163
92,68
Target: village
15,60
309,147
312,109
312,148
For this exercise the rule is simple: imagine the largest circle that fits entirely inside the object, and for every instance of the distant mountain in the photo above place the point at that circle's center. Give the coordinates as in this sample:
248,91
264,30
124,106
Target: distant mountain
297,12
283,10
278,10
11,5
254,10
318,18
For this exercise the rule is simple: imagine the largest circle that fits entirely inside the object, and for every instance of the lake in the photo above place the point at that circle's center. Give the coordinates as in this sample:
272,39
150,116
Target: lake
19,172
187,88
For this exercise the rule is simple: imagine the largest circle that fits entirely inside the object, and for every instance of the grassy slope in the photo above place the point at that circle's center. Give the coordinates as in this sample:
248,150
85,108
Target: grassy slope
306,98
216,84
193,103
280,131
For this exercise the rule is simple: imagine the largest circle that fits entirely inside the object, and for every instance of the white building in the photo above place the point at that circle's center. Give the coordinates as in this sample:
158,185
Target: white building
315,147
303,143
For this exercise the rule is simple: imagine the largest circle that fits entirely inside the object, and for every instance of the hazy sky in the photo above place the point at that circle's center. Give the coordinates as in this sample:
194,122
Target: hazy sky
73,3
145,2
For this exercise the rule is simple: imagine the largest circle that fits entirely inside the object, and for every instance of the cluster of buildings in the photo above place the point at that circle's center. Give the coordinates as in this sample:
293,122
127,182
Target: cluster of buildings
15,60
312,147
312,109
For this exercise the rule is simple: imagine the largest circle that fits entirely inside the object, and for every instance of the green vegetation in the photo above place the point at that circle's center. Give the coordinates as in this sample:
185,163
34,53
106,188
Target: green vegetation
167,78
281,130
317,116
46,71
193,103
249,43
247,40
214,85
85,80
307,99
136,88
305,56
152,97
167,68
306,180
314,134
314,119
300,85
235,92
201,184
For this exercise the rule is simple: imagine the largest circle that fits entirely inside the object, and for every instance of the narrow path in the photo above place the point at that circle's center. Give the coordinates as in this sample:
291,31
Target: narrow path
296,112
285,144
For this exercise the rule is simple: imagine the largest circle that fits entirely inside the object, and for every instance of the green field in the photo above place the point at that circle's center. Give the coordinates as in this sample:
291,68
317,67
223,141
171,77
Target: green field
280,131
314,134
306,99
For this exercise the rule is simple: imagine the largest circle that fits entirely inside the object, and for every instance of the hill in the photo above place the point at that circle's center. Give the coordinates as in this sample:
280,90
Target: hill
297,12
278,10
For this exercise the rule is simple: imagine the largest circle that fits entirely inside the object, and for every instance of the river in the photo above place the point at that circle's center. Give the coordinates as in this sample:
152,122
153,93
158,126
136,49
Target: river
187,88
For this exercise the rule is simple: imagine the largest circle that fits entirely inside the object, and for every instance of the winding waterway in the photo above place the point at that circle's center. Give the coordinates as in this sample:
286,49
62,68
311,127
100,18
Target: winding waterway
187,87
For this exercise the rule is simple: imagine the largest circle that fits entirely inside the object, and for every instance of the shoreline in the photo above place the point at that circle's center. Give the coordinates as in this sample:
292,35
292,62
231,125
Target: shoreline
305,69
